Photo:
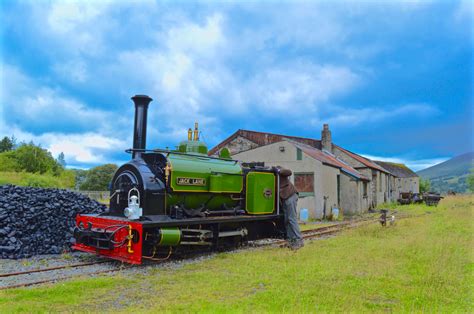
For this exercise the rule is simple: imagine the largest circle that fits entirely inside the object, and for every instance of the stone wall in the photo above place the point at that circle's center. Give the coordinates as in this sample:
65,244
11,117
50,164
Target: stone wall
350,195
240,144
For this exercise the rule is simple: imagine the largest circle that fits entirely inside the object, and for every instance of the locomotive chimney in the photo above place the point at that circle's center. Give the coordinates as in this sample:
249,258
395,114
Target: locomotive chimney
139,127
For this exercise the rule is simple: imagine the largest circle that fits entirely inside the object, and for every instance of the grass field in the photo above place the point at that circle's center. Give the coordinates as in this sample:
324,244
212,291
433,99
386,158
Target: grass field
421,264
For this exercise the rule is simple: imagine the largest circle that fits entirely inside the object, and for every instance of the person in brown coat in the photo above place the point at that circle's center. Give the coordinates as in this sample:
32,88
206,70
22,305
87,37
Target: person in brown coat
289,200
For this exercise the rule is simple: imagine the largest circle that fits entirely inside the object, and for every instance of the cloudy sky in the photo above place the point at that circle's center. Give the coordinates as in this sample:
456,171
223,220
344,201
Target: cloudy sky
393,80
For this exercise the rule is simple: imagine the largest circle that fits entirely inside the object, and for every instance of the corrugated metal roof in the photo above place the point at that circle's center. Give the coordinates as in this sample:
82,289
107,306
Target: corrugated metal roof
366,162
398,170
329,159
263,138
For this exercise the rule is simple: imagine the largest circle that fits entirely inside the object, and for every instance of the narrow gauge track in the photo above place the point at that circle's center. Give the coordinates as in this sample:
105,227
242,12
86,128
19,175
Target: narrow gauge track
26,272
33,283
56,273
323,231
307,235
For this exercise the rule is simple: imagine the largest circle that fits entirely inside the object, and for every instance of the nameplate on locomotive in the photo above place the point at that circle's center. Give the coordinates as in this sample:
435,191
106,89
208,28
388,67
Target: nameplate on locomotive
191,181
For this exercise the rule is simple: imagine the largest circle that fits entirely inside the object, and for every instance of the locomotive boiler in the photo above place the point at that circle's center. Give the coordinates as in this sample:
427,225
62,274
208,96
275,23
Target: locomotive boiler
166,201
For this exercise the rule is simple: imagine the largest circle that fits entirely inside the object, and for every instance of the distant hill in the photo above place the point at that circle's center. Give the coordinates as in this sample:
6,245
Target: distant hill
451,174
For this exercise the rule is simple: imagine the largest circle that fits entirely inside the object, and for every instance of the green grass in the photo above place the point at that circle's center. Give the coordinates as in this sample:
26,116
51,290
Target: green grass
65,180
422,264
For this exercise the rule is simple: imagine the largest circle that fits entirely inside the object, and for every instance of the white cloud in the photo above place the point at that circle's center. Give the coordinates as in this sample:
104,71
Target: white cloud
353,117
88,148
73,70
203,65
182,70
79,148
200,40
464,12
413,164
42,114
299,89
80,24
35,106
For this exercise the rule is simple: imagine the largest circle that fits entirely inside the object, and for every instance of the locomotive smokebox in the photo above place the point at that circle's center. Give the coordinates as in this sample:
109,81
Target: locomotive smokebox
139,127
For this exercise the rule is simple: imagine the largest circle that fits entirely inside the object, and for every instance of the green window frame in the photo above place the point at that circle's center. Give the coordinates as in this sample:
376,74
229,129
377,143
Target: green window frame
299,154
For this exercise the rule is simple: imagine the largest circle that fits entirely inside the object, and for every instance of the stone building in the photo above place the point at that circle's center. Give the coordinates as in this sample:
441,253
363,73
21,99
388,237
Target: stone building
323,181
327,175
403,179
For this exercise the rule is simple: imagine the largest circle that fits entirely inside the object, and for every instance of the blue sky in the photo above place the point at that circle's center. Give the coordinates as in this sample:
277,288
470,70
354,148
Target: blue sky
394,80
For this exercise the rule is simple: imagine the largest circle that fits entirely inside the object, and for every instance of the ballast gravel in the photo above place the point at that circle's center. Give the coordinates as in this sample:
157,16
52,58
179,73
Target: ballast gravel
36,221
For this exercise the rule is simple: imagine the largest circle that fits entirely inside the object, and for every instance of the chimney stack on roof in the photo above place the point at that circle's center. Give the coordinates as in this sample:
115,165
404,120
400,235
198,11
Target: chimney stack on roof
326,140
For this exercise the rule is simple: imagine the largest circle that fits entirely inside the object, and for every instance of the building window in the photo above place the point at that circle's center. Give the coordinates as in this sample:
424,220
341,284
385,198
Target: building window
365,186
304,183
299,154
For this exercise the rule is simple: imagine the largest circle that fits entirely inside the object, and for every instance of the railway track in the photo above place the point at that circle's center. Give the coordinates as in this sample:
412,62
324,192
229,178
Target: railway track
39,270
57,273
54,273
323,231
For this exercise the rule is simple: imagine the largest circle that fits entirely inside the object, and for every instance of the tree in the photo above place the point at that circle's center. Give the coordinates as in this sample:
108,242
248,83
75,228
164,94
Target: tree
61,160
98,178
8,162
33,158
80,177
470,181
7,144
425,185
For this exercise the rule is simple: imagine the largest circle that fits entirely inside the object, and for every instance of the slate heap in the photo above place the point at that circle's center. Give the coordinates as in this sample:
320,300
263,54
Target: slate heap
37,221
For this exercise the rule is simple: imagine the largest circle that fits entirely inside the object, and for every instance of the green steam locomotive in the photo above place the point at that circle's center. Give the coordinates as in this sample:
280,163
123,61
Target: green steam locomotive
171,201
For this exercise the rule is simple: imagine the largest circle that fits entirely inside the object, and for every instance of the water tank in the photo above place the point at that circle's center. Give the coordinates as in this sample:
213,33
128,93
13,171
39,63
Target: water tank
335,213
304,214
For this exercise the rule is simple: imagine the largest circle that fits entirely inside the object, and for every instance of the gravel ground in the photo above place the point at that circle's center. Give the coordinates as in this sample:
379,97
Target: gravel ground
46,261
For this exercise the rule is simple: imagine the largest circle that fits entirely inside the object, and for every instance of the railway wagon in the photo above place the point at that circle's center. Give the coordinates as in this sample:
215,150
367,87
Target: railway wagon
166,201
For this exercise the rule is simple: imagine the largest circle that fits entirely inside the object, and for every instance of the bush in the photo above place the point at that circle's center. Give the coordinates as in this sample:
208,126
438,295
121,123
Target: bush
8,162
39,182
425,185
32,158
98,178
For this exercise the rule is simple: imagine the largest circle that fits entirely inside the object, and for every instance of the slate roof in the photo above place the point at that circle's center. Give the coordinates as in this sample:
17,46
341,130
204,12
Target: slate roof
398,170
329,159
366,162
263,138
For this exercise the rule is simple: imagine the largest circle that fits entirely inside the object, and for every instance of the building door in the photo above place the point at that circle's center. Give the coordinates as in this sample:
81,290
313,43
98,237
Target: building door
339,191
374,188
